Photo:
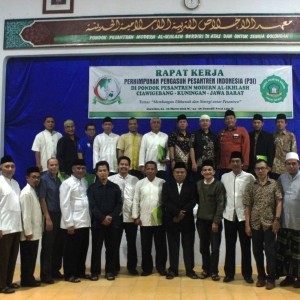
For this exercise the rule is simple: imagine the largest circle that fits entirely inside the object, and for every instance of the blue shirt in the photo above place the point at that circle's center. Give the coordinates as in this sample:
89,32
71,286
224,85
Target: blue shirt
49,190
85,146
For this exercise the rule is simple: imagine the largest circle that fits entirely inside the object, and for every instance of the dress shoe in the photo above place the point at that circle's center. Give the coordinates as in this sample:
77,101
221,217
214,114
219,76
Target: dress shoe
57,275
215,277
94,277
270,285
7,290
146,273
289,280
162,272
192,275
47,281
34,283
249,279
73,279
133,272
296,284
170,275
260,283
110,276
228,279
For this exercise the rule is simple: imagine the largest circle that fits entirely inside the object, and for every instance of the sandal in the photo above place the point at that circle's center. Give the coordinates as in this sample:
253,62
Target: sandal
14,285
73,279
203,275
7,290
215,277
94,277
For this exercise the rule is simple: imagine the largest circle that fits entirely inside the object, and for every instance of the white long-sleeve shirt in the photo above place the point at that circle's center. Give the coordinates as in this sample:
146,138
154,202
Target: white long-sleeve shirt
74,203
105,148
45,142
149,148
147,197
235,186
31,214
10,209
127,187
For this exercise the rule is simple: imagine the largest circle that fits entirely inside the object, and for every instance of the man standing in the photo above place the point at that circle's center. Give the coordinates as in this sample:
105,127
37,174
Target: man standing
288,239
85,146
147,212
235,183
10,224
263,201
285,142
211,194
105,205
204,145
44,144
105,146
154,148
179,143
179,199
126,184
129,145
261,143
76,222
67,148
233,138
53,237
32,228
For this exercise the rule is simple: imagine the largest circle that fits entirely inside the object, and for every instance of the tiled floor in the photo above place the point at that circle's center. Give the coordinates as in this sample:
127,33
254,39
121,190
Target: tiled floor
152,287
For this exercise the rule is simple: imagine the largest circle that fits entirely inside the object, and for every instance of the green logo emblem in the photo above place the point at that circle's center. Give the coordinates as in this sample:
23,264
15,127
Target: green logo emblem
274,89
107,91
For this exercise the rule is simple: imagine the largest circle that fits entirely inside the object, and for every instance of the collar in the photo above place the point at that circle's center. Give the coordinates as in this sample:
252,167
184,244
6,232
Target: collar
208,183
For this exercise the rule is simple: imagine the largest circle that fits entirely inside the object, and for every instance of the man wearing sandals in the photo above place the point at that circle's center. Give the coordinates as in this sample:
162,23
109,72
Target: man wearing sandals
10,225
211,194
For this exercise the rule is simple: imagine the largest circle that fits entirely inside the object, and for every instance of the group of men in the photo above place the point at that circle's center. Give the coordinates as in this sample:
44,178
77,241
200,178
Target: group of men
130,190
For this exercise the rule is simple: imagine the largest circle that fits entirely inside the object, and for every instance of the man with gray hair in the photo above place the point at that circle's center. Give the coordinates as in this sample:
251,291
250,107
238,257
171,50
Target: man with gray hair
154,147
288,238
67,148
204,146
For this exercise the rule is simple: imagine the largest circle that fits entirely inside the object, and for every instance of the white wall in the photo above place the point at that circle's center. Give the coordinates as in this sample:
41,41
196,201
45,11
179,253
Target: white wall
22,9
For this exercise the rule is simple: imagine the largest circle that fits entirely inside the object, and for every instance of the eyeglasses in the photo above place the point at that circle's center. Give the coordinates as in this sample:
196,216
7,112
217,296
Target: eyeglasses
260,168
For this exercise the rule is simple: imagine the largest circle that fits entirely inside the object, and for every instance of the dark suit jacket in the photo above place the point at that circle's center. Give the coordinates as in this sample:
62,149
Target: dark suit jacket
265,146
173,203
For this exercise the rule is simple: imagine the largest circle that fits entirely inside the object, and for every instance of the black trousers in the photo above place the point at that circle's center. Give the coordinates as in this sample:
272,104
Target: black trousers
75,252
131,233
209,245
28,254
232,229
264,241
9,249
52,248
187,241
158,233
109,235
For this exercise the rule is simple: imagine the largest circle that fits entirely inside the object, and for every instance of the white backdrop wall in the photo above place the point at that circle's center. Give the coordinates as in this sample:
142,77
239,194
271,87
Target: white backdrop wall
22,9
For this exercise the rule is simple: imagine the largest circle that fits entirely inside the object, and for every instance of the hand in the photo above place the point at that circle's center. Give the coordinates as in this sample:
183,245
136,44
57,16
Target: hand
194,167
49,225
248,230
275,226
1,234
71,230
40,167
137,221
107,220
181,215
214,227
29,237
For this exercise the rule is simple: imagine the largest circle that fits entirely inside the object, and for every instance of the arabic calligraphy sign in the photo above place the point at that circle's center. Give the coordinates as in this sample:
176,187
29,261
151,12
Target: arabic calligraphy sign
260,29
146,91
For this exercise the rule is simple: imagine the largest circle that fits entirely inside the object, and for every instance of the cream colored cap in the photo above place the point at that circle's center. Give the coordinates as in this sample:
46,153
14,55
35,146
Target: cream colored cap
292,155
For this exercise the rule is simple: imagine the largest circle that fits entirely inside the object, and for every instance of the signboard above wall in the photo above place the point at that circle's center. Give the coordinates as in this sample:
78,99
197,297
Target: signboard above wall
146,30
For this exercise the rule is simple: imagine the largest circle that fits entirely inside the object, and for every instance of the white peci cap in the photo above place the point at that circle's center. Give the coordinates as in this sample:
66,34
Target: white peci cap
205,117
292,155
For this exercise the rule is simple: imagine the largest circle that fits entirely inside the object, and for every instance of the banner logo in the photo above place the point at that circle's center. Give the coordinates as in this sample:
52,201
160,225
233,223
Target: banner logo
107,91
274,89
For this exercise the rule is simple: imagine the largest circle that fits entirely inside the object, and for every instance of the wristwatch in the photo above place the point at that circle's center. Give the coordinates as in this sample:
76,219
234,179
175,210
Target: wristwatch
191,4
